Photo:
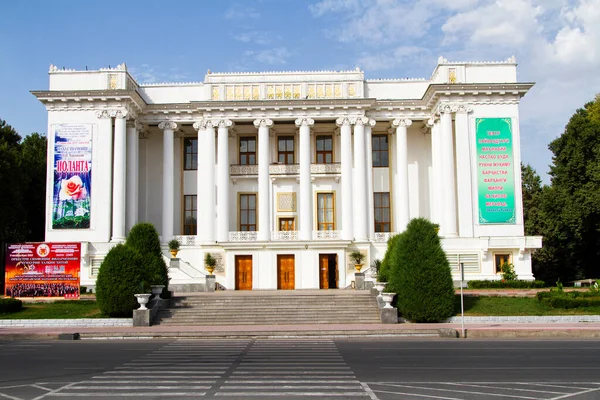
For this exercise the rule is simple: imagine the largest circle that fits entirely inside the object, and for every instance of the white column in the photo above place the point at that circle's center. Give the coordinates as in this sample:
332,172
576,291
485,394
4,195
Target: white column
264,229
305,204
448,181
370,206
206,181
360,173
119,177
105,149
436,161
463,172
346,149
223,180
168,197
133,162
401,193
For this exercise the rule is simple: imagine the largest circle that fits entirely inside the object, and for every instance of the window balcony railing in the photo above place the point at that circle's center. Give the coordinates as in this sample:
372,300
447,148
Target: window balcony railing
243,236
186,240
333,168
383,237
284,169
326,235
238,169
284,236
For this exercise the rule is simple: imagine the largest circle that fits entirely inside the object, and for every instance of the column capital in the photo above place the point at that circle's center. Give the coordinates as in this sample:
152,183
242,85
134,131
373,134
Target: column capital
119,114
343,121
202,124
444,108
139,126
401,122
305,122
464,108
362,121
102,114
223,123
263,123
167,125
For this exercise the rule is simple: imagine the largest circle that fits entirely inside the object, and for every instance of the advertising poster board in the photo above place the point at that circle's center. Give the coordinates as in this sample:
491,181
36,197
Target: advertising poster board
43,270
495,171
72,176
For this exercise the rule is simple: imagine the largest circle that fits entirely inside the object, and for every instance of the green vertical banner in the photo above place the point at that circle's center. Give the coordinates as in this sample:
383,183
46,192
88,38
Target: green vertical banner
495,171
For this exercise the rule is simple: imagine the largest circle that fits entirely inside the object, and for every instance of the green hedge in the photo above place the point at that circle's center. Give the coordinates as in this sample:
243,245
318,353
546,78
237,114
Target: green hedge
506,284
8,306
557,299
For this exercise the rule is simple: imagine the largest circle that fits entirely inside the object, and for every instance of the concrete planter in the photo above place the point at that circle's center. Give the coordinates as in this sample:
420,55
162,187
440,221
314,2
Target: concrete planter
388,298
142,300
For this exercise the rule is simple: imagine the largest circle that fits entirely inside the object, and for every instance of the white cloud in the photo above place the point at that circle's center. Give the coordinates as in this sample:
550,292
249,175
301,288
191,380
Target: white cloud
257,37
274,56
237,12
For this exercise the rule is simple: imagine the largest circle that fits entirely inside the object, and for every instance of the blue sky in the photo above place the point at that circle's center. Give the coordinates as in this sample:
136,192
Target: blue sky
556,42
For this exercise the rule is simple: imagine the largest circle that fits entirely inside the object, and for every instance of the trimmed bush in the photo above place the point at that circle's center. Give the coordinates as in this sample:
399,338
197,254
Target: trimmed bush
420,272
9,306
506,284
144,238
560,299
120,276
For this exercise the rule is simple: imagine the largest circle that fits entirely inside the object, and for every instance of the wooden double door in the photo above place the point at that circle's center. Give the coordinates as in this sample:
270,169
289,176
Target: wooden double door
286,272
243,272
328,271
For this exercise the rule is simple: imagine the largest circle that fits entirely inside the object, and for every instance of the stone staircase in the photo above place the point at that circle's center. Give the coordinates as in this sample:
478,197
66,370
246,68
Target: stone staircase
272,308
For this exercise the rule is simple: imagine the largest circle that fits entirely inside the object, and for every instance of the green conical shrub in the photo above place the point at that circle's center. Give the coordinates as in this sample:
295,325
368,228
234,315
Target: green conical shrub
122,273
420,274
144,238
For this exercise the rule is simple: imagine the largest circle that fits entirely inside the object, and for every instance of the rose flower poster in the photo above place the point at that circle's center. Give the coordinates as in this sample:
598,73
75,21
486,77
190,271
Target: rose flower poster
72,176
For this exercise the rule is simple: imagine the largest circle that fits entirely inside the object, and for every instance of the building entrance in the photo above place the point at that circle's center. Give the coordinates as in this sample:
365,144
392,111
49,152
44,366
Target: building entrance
328,271
243,272
286,272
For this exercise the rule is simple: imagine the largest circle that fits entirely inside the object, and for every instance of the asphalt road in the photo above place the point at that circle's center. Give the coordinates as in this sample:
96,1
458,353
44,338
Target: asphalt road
301,368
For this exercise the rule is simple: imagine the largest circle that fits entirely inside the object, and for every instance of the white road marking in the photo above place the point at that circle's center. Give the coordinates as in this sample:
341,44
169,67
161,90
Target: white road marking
420,395
576,394
462,391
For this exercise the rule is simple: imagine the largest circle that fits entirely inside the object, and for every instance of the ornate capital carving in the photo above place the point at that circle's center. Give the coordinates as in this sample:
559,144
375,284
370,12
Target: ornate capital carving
144,134
167,125
305,122
392,131
402,122
444,108
200,124
343,121
464,109
139,127
360,121
121,114
102,114
263,123
371,122
223,123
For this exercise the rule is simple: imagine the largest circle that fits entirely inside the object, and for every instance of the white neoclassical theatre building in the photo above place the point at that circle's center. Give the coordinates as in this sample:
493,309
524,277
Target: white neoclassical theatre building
281,175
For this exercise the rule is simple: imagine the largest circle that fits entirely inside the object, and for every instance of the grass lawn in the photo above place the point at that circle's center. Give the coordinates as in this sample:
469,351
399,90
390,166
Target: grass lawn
482,306
57,309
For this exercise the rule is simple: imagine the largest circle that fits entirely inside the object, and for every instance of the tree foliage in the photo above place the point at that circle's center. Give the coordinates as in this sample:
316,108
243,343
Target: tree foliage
23,182
567,213
420,272
143,237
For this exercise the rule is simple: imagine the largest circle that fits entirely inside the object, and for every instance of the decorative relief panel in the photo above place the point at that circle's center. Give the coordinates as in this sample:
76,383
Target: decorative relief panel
284,169
243,170
215,92
284,91
351,90
286,201
113,82
335,168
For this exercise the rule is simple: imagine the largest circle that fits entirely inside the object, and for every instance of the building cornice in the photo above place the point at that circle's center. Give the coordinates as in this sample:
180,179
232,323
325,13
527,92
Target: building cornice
89,99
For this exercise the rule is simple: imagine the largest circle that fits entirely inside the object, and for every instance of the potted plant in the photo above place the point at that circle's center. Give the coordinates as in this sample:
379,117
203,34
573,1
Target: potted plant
210,262
358,257
144,296
173,247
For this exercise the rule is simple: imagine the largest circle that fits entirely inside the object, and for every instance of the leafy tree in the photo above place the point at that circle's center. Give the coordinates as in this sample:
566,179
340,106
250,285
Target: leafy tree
33,166
12,225
420,272
532,196
570,208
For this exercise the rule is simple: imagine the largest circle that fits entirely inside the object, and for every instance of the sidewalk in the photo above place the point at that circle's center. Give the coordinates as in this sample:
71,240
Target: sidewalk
406,330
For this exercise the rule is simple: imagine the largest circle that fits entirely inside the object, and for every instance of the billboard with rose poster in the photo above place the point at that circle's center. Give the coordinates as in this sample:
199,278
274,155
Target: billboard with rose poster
43,270
72,176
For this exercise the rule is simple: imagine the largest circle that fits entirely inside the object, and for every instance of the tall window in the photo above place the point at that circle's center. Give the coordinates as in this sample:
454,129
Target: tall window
324,150
499,260
247,212
190,155
247,150
380,151
382,211
325,211
190,207
285,149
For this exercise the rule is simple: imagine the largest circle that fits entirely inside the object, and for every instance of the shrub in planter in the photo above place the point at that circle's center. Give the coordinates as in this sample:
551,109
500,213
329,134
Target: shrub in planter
119,278
420,272
383,274
8,306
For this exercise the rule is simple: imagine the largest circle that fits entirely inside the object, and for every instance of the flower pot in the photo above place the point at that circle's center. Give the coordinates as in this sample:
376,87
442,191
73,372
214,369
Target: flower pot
143,300
174,253
210,269
358,267
388,298
380,286
157,290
